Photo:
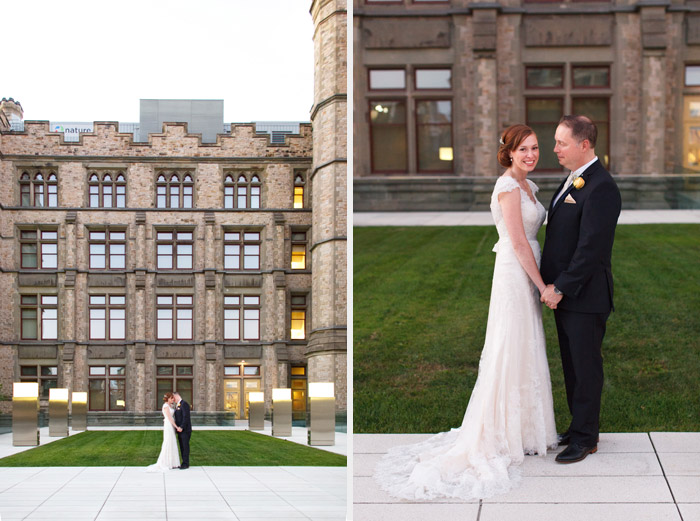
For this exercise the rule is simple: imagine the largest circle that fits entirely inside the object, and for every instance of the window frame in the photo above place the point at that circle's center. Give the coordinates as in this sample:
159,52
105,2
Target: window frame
373,102
173,379
241,243
299,242
40,186
39,241
298,307
174,307
241,307
449,124
175,242
108,321
116,186
387,89
107,380
298,183
108,242
252,182
179,181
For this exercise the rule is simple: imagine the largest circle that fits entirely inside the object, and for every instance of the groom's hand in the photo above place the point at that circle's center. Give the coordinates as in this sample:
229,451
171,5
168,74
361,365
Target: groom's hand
550,298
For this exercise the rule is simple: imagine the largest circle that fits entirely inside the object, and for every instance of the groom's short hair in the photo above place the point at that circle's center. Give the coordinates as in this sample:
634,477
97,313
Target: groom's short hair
175,393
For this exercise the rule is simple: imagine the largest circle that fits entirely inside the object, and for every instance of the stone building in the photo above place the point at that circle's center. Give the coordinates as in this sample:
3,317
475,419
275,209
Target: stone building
130,268
436,82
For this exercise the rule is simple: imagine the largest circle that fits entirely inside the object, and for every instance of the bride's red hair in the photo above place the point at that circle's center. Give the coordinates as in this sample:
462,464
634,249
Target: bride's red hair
167,396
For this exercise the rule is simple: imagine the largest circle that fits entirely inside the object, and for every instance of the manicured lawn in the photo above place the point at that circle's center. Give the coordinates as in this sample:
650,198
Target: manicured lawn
141,448
421,298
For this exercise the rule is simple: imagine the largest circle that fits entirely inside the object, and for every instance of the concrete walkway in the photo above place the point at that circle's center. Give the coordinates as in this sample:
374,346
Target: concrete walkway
216,493
633,477
484,218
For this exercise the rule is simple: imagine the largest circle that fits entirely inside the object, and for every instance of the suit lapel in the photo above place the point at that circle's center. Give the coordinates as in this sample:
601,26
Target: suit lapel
585,175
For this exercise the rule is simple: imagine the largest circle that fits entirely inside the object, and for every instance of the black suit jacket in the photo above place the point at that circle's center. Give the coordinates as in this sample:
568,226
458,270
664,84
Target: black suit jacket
182,416
577,251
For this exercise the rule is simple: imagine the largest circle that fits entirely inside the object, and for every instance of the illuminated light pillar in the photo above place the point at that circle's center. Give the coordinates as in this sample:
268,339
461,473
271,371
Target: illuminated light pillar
256,411
25,414
58,412
281,412
78,418
321,422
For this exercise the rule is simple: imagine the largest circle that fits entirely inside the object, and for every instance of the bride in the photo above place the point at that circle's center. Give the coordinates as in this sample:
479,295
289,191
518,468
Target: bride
510,412
169,457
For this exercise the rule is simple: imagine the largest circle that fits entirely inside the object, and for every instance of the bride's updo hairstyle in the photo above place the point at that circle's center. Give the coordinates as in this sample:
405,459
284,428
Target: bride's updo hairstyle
511,139
167,396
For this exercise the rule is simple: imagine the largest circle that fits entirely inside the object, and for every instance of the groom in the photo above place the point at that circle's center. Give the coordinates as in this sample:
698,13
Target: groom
184,432
576,266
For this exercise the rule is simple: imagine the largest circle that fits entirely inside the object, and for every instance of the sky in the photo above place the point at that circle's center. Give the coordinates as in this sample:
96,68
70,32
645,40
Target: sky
85,61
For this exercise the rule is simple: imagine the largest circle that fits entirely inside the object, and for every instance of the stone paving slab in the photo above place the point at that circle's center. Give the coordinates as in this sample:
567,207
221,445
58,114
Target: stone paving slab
690,512
676,441
126,493
633,476
580,512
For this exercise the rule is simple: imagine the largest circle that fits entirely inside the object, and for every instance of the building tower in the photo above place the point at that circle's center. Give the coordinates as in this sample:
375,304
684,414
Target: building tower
10,112
327,347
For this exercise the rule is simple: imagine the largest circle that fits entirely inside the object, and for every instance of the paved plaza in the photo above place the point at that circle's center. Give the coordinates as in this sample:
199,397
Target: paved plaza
633,477
199,493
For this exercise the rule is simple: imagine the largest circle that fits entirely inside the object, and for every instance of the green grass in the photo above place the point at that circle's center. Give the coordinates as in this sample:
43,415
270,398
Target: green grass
421,297
141,448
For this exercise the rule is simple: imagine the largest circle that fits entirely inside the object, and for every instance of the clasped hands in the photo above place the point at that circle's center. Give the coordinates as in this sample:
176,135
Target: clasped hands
178,429
550,298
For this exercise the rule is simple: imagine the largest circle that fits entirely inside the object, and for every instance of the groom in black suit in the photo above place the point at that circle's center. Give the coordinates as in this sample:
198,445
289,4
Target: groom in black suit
576,266
182,420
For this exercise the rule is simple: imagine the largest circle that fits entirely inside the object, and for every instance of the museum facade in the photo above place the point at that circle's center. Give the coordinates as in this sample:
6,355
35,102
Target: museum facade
133,267
436,83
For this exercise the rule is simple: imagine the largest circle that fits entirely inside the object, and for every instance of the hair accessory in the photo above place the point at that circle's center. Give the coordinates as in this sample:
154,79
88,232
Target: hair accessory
500,140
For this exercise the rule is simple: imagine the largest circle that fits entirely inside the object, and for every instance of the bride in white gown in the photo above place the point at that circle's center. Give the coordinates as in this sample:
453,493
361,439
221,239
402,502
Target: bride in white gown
169,457
510,412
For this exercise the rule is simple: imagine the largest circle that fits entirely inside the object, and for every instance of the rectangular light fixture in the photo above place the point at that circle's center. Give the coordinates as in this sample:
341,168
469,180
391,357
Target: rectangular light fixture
255,397
56,394
321,390
25,390
281,394
79,397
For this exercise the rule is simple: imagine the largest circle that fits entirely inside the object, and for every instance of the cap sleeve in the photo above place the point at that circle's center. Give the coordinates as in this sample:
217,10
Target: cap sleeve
505,184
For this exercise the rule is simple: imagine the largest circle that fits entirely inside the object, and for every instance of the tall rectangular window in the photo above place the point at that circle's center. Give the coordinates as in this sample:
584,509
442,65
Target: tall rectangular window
388,135
39,249
242,250
247,306
107,388
107,317
174,250
39,317
108,250
434,131
543,115
174,317
38,188
298,323
298,250
174,378
557,89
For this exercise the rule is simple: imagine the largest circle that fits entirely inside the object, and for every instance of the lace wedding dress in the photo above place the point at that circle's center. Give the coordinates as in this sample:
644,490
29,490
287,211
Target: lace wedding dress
510,412
169,457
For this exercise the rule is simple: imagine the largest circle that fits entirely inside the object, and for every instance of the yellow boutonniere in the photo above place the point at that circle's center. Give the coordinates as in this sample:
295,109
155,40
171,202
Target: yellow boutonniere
578,183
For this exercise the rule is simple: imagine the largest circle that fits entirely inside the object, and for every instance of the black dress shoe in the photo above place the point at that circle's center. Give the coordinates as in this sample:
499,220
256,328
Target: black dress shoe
184,467
563,438
575,452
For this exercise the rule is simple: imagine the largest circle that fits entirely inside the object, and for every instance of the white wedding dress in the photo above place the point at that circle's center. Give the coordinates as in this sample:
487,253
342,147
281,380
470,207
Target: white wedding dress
169,457
510,412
